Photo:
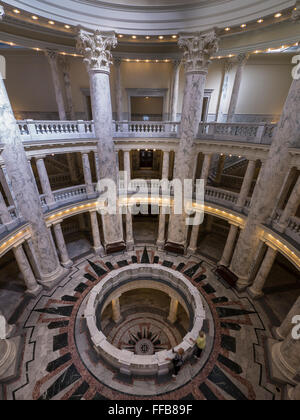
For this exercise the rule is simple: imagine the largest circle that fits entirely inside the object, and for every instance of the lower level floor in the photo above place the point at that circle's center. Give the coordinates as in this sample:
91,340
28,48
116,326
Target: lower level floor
58,362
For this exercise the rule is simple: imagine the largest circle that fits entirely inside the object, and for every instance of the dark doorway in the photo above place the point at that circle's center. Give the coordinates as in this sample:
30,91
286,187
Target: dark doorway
147,108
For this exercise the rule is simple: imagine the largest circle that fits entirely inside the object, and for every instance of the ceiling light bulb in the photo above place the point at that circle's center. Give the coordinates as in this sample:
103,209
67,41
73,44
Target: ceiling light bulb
134,37
147,37
34,17
227,29
278,15
260,21
243,25
51,22
121,36
17,11
174,36
161,37
67,26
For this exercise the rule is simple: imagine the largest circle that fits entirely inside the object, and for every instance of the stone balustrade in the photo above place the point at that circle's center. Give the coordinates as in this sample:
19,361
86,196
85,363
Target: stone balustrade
147,275
239,132
242,132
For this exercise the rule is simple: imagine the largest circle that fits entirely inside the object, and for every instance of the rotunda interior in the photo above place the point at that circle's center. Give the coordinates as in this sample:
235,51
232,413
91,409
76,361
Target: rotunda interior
149,200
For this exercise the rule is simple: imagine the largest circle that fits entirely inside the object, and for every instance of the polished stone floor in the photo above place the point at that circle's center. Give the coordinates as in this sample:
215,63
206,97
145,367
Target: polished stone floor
58,362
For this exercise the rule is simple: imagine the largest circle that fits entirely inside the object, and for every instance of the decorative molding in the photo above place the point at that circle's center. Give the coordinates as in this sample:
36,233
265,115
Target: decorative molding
96,49
198,49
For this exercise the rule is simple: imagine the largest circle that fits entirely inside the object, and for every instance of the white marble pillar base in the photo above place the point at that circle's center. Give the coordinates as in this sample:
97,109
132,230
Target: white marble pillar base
280,371
49,282
8,353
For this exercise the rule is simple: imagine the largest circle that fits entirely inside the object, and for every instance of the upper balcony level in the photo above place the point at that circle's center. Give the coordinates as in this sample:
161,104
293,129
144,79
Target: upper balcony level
37,131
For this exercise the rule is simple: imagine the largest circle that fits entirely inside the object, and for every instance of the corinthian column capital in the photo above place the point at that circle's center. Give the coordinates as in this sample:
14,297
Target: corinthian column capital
199,47
242,59
96,49
52,55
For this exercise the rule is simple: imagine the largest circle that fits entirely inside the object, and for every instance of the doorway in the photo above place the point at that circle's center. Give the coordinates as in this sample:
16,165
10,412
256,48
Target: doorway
147,108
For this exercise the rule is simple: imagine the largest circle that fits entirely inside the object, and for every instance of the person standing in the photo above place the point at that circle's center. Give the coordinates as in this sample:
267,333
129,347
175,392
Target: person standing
200,344
177,362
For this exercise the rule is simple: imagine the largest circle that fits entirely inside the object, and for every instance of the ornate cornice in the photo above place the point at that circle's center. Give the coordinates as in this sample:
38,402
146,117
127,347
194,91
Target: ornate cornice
96,49
198,50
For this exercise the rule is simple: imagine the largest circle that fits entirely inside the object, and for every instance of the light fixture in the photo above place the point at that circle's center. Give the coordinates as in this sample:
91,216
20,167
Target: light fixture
278,15
51,22
34,17
67,26
227,29
260,21
174,36
16,11
147,61
134,37
147,37
161,37
243,25
121,36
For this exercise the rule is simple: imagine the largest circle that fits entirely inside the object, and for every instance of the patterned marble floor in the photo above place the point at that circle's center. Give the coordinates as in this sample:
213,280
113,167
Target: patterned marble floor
58,362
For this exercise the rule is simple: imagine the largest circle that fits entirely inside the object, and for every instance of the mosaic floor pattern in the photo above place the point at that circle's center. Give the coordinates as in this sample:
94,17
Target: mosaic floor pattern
58,362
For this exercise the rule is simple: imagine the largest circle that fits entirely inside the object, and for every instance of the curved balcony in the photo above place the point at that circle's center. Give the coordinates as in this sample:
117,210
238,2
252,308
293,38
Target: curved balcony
32,131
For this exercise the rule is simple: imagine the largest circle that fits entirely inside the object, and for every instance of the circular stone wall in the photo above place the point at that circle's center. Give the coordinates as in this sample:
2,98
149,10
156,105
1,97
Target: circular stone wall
145,276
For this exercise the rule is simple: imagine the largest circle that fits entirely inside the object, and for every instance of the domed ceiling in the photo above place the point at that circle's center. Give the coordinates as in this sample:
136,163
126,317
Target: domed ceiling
152,16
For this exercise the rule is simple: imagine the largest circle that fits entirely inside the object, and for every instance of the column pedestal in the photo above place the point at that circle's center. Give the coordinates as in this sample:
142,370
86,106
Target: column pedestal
98,248
61,244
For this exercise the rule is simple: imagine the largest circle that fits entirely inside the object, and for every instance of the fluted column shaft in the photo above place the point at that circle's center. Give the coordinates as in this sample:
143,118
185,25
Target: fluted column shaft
44,180
87,173
61,244
291,208
256,290
246,186
32,286
242,60
266,190
26,193
175,90
287,325
228,250
53,61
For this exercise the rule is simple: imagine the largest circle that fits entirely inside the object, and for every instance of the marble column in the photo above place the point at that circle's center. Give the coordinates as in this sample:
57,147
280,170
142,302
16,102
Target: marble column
256,290
52,57
44,180
166,165
285,360
228,65
96,48
228,250
287,325
290,209
161,239
61,244
198,48
173,311
220,168
116,309
266,191
33,288
97,166
246,186
26,193
242,61
206,168
98,248
7,186
65,67
175,89
87,174
194,239
129,226
118,87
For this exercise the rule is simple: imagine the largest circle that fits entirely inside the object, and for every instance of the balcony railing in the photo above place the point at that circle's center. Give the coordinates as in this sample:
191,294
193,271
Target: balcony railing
54,130
213,195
